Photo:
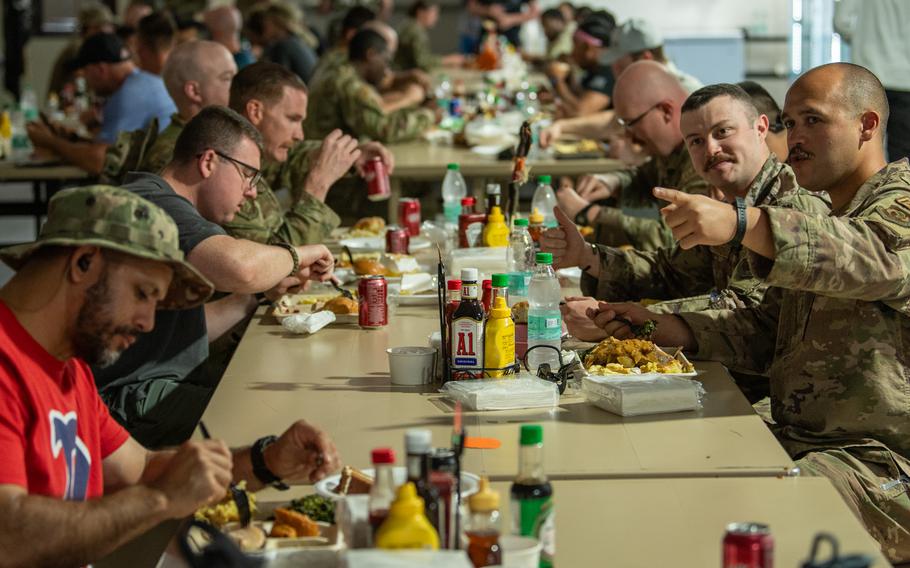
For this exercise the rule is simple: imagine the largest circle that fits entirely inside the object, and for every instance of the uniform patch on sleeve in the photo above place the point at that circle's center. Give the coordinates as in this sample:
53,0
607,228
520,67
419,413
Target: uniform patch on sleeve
903,201
898,212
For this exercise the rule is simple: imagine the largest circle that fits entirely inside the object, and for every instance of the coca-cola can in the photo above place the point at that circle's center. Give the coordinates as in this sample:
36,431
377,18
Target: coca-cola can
748,545
397,240
377,177
409,215
374,310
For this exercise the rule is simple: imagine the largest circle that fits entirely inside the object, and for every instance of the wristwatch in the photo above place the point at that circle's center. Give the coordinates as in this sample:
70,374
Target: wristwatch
581,218
740,206
260,470
294,257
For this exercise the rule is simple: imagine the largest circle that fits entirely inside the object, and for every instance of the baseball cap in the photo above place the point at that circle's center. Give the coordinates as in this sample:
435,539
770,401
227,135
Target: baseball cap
633,36
597,28
117,219
100,48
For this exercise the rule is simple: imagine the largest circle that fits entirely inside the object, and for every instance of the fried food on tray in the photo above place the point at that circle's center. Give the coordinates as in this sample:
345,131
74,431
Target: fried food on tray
291,524
628,356
369,226
369,267
342,306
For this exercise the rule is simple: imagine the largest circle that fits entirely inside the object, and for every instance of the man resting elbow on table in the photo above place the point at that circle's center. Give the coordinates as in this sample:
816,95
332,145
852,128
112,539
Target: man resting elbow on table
832,330
73,484
157,389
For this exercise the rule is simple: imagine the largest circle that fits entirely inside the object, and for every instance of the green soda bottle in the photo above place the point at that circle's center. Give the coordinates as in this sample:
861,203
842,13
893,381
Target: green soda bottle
533,511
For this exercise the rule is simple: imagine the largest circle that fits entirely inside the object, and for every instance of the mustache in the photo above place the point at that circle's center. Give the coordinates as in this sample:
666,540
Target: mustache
798,152
716,159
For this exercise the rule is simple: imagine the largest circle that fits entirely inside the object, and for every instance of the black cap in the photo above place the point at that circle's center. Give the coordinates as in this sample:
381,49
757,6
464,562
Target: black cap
100,48
599,25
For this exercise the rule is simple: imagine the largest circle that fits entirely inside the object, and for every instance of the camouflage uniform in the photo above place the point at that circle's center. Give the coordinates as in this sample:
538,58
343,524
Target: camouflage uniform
344,100
162,150
675,171
414,50
703,277
833,335
329,63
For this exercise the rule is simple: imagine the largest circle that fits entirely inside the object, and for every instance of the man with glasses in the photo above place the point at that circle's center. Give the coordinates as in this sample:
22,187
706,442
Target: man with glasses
158,389
648,99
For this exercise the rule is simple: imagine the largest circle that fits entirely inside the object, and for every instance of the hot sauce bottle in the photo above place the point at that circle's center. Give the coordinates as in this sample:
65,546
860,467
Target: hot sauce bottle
467,330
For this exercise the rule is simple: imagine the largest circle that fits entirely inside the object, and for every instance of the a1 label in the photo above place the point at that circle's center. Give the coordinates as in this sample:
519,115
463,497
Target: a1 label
467,347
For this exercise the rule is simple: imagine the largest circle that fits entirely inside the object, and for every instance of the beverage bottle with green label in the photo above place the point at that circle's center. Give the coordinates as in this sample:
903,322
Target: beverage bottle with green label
544,317
533,512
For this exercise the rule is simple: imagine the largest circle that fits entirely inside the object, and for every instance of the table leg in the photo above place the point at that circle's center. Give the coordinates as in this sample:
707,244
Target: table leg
37,203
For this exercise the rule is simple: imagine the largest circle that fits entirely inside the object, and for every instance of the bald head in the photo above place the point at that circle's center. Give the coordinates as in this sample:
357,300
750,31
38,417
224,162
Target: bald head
224,20
198,74
387,32
852,87
649,99
648,79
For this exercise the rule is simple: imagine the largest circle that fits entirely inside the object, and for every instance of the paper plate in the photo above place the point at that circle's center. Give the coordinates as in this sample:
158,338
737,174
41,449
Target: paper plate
367,244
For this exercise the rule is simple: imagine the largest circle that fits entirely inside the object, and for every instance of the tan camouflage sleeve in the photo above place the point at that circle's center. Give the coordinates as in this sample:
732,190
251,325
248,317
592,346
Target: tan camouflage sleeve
864,258
308,222
742,339
662,274
367,119
253,223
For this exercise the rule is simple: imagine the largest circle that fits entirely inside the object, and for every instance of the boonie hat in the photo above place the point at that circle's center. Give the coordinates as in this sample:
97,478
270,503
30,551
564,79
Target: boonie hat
634,36
114,218
100,48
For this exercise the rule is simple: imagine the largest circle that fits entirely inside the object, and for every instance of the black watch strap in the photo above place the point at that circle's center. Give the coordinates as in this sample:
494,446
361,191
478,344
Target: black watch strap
740,206
581,218
295,258
260,470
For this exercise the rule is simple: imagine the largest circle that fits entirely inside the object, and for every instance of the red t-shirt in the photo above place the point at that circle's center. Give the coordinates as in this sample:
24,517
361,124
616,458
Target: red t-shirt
54,429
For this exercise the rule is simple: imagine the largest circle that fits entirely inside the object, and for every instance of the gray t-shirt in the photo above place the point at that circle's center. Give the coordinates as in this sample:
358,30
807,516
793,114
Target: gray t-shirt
179,342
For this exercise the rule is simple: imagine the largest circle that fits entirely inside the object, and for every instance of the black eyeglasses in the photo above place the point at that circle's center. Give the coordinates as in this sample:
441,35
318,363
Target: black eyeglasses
246,171
630,123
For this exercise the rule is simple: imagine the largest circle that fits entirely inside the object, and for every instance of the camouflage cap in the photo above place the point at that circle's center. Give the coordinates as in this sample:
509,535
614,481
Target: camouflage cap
114,218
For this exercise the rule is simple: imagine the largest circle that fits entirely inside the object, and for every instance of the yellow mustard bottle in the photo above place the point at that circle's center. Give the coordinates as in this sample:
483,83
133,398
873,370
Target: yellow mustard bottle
407,525
496,232
499,350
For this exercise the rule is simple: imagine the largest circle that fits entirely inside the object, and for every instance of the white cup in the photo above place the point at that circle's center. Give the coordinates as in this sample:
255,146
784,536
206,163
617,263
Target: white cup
519,551
411,366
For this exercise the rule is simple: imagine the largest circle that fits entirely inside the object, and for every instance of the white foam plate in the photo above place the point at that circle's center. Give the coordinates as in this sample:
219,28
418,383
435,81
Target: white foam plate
324,487
369,244
488,149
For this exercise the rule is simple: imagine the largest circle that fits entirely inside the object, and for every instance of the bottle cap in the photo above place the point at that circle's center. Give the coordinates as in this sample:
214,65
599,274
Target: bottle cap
469,275
545,179
468,201
383,456
453,167
453,284
493,189
500,280
495,215
521,222
544,258
531,434
501,309
487,285
418,441
536,217
406,502
485,500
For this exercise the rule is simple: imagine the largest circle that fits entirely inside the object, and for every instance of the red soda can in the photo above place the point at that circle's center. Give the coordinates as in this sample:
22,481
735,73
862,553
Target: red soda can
377,177
409,215
374,310
487,299
397,240
748,545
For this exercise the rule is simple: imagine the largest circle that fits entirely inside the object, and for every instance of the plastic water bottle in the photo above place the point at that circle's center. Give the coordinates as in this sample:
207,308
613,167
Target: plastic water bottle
28,104
453,190
520,260
544,317
544,201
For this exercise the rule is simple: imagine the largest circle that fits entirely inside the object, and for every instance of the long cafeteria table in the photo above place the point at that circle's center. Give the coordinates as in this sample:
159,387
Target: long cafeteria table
45,178
338,378
422,161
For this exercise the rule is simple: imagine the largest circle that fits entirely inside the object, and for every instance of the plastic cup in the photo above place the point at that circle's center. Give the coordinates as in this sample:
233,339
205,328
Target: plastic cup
412,366
519,551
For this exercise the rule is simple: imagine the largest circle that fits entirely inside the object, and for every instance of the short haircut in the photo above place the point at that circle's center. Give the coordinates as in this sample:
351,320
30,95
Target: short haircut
214,127
419,6
356,17
553,14
156,31
263,81
363,41
862,90
764,102
600,25
656,52
703,96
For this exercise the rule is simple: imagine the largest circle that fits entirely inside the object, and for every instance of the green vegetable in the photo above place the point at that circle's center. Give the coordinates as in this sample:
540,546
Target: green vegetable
645,330
316,507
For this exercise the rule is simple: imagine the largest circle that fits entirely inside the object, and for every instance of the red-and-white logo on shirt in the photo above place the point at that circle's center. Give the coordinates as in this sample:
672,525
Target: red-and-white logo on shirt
65,439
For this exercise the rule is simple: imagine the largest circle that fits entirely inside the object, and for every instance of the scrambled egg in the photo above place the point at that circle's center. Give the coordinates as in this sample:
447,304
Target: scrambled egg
632,356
